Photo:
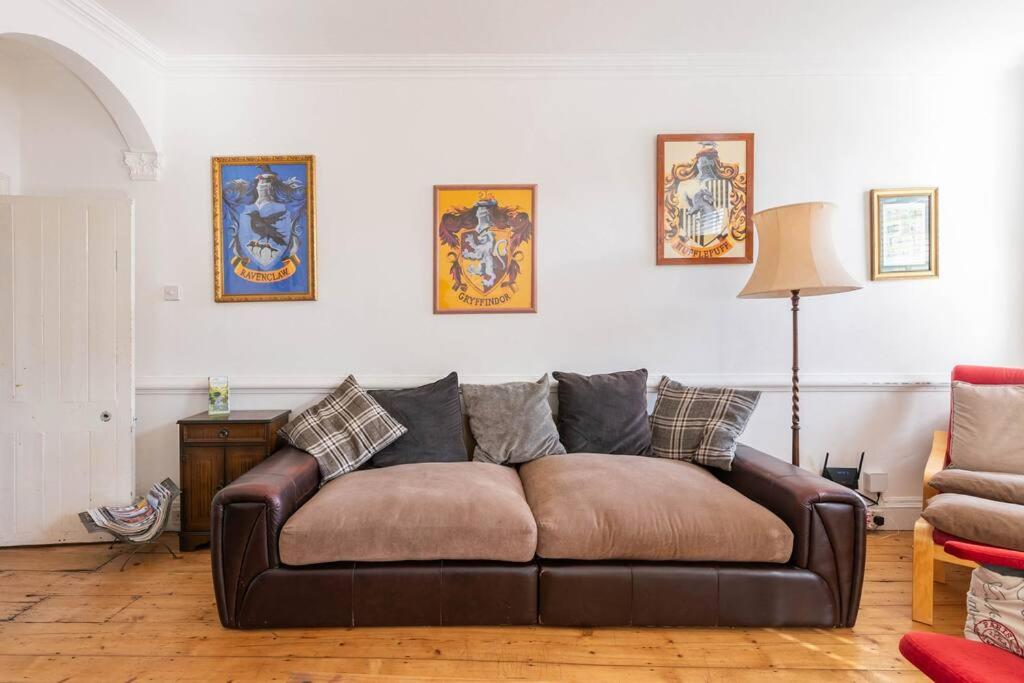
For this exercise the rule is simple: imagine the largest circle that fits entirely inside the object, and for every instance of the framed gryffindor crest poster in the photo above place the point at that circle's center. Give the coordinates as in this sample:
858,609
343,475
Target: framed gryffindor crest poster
264,228
705,197
484,238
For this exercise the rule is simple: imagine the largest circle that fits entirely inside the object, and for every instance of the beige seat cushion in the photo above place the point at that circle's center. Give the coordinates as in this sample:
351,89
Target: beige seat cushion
420,511
628,507
1003,486
976,519
988,432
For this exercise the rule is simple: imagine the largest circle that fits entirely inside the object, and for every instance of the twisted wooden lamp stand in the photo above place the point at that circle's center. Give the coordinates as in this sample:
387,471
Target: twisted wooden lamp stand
795,300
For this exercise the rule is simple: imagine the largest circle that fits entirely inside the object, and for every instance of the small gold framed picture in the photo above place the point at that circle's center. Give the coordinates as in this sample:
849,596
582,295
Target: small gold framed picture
904,233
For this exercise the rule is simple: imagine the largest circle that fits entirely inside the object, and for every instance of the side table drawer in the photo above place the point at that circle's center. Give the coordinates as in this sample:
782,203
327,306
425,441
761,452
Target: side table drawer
223,432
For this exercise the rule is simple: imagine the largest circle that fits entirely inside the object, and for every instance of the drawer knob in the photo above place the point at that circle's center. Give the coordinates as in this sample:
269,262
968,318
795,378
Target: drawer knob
223,433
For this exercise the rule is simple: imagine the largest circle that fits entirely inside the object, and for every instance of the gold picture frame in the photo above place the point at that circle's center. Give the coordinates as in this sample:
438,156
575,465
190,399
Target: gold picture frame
264,228
904,233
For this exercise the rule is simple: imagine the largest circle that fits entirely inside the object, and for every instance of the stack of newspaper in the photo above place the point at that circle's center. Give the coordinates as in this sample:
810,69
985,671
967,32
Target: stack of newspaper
139,522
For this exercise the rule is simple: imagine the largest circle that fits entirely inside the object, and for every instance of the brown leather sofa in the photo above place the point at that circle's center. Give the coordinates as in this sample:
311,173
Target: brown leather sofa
819,586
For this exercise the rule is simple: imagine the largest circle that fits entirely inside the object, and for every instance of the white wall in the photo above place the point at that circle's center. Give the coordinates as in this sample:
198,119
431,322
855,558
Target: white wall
10,128
588,142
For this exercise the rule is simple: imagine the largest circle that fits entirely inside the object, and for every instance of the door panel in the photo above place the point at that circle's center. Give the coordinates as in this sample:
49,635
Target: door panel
241,459
101,224
74,293
6,307
76,466
202,476
28,304
8,449
66,359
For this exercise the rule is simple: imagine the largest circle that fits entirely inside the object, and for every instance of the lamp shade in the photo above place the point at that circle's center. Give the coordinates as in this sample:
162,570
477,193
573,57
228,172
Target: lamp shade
795,252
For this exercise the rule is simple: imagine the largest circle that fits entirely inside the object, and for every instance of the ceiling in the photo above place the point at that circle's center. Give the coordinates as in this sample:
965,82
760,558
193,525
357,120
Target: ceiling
896,32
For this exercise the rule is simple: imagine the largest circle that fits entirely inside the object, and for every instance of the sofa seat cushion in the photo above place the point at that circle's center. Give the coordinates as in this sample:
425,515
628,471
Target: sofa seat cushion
592,506
984,521
419,511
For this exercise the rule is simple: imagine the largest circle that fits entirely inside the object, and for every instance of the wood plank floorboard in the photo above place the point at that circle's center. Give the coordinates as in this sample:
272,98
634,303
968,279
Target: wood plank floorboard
68,614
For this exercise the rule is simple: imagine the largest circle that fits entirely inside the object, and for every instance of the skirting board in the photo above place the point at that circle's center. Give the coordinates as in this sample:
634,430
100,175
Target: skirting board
900,512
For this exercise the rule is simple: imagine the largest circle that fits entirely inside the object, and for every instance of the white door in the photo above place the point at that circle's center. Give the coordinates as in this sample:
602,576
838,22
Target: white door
66,364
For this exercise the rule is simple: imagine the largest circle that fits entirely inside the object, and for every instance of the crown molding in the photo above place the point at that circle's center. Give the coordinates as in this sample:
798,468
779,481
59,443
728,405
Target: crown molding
524,65
327,66
101,21
768,383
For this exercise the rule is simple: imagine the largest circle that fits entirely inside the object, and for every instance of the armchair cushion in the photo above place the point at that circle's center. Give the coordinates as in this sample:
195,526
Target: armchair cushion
988,432
1001,486
948,659
977,519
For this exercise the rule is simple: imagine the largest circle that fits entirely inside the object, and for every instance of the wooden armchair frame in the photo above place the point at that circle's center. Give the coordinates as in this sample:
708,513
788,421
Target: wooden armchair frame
930,558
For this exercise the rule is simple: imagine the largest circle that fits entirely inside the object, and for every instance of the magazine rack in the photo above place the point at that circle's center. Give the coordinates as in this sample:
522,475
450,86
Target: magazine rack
154,533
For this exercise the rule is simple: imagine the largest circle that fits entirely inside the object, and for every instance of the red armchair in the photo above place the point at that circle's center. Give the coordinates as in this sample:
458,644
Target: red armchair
949,659
930,555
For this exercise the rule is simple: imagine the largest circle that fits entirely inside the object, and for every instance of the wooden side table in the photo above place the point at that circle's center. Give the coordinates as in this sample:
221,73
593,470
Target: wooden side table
215,449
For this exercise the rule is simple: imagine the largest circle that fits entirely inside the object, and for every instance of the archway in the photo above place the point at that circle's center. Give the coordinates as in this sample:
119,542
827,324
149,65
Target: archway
141,155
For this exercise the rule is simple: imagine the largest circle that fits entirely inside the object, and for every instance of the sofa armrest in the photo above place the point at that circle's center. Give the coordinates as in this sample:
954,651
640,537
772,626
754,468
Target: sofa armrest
827,520
247,518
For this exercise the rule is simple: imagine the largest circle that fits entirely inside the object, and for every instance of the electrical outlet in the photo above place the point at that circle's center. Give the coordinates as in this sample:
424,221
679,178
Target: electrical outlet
172,293
873,520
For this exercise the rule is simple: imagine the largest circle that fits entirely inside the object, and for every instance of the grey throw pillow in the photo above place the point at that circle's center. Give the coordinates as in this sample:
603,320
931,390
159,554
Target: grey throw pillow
511,422
699,424
342,431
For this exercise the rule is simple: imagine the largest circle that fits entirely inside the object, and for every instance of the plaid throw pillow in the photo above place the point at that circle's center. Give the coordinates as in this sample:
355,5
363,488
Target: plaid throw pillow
342,431
699,424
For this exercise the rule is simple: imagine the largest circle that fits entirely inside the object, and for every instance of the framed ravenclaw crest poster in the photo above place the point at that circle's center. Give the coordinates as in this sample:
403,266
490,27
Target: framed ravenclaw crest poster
264,228
484,238
705,191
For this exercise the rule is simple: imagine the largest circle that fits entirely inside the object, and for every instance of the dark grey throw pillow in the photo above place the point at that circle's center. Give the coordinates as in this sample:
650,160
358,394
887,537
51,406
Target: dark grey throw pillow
604,413
433,415
700,424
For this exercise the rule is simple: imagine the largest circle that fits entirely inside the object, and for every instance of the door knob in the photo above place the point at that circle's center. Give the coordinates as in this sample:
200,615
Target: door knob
223,433
105,416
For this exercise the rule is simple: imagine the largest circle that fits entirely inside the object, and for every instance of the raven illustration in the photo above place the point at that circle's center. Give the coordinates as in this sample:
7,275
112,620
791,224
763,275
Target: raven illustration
264,228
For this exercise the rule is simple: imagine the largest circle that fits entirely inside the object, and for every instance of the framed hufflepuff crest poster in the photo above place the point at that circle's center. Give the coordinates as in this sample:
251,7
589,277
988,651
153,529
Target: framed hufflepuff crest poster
705,195
484,239
264,228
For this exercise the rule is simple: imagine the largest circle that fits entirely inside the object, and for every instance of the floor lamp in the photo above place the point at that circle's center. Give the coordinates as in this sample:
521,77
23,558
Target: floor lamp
796,258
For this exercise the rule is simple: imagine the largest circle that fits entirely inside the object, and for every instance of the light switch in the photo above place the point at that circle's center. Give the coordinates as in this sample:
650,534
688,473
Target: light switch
172,293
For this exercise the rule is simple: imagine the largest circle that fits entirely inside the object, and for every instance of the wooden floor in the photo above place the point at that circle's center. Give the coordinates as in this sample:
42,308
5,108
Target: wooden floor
67,613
